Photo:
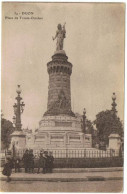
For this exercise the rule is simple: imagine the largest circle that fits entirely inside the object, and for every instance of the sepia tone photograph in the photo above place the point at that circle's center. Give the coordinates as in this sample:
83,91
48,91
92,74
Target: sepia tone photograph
62,97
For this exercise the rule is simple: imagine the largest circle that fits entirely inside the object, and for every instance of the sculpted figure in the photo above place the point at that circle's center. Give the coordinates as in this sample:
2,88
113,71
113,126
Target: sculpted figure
60,35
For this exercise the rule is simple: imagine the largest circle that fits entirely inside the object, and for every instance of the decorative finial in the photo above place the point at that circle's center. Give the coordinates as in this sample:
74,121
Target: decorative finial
84,111
18,90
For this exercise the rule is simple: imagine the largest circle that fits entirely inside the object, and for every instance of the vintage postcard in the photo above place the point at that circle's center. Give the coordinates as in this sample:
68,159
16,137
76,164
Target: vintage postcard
62,101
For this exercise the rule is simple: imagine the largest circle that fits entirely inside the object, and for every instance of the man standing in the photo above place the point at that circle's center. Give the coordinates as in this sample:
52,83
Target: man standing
31,161
25,160
45,162
41,161
50,162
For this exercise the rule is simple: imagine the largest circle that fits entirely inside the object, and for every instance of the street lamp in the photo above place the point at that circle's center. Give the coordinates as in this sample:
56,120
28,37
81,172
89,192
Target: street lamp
84,120
18,109
114,111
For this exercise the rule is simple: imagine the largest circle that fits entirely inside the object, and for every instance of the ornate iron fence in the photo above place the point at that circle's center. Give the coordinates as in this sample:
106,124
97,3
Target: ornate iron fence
72,153
72,158
79,153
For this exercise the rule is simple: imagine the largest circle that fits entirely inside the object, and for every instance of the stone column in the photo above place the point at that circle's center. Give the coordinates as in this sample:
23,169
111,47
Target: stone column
59,93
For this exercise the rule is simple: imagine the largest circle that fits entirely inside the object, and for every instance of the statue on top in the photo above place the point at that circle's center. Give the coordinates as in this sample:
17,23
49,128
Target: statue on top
60,35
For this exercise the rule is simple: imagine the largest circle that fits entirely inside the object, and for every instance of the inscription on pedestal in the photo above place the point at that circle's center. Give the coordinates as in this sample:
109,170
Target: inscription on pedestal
63,124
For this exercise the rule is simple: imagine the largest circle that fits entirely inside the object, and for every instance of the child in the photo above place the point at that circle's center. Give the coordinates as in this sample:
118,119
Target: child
17,164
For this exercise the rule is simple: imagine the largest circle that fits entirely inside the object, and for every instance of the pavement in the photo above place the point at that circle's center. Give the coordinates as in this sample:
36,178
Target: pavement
70,175
109,186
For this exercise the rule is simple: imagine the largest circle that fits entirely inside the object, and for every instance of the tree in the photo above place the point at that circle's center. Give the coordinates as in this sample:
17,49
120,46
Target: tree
89,127
6,130
107,123
90,130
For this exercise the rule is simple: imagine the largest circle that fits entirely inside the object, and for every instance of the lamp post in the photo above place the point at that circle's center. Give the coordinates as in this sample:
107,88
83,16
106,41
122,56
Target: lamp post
114,137
114,111
84,120
18,109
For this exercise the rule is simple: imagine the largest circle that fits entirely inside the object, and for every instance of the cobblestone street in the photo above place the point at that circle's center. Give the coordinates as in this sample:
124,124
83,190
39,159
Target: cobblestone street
92,186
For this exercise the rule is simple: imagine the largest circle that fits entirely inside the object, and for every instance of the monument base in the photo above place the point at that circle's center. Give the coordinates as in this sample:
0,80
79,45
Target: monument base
61,132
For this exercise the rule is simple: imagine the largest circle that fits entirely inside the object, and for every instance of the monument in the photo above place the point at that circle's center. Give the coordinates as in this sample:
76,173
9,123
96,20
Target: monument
59,127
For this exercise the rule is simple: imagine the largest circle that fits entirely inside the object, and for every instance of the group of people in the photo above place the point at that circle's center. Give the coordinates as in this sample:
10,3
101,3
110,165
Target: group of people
44,160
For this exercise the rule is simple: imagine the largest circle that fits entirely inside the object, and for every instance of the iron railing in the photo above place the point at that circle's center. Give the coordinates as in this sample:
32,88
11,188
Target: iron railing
73,153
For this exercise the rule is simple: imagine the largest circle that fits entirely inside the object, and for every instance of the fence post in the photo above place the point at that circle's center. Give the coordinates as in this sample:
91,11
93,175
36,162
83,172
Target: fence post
72,153
110,153
66,153
84,153
55,153
99,153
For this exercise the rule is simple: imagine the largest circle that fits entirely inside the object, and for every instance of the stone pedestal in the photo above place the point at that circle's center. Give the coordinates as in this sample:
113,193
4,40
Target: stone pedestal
61,131
114,141
18,139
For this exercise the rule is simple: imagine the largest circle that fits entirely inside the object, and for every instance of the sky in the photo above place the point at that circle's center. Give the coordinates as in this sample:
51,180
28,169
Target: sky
94,44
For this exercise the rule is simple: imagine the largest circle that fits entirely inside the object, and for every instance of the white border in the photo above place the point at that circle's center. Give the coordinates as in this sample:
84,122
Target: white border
125,107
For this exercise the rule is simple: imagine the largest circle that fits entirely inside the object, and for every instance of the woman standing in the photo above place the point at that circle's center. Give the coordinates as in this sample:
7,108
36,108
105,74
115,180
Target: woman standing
8,169
41,161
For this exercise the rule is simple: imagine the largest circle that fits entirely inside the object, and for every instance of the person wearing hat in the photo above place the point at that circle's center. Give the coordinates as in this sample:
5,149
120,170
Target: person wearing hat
31,161
26,160
50,162
41,161
45,162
